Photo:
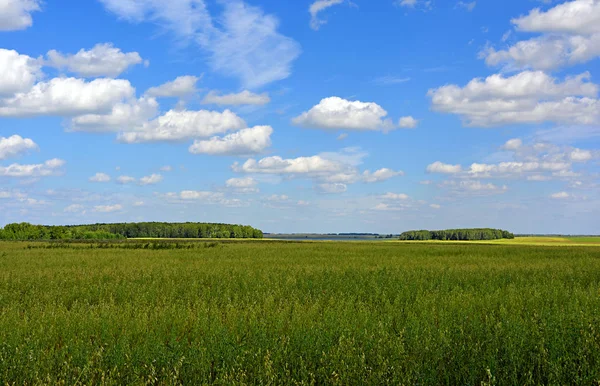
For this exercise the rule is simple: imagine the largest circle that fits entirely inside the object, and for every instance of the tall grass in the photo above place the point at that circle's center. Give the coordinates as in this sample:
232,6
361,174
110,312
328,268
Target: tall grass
300,313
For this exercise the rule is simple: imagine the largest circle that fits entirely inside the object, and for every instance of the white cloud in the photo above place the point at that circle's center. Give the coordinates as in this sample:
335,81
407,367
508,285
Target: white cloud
123,180
100,177
166,168
469,6
337,113
19,72
244,142
242,185
244,43
547,52
513,144
579,155
130,114
332,188
139,203
380,175
395,196
570,36
303,203
49,168
16,14
277,198
390,80
574,17
342,136
435,206
470,187
74,208
319,6
314,165
180,87
242,98
425,5
108,208
184,125
67,97
152,179
102,60
439,167
560,195
15,145
249,47
199,195
408,122
527,97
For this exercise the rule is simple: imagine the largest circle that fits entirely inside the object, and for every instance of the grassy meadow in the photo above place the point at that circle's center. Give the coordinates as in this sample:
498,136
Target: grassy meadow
267,312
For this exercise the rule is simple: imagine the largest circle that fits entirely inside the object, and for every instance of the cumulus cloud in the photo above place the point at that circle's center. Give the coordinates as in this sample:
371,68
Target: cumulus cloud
336,113
108,208
49,168
242,98
380,175
183,125
408,122
575,17
16,14
319,6
579,155
242,185
435,206
329,170
124,180
513,144
527,97
67,97
15,145
102,60
152,179
74,208
100,177
570,35
181,87
129,114
19,72
166,168
332,188
472,187
533,162
560,195
395,196
440,167
244,142
314,165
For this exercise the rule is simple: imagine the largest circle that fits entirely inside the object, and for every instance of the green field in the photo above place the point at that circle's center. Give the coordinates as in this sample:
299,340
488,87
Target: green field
299,313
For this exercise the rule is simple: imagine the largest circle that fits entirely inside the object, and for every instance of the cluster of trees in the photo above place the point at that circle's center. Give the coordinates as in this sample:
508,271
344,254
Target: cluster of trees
26,231
458,234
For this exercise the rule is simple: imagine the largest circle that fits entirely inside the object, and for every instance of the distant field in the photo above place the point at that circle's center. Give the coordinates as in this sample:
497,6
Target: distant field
313,313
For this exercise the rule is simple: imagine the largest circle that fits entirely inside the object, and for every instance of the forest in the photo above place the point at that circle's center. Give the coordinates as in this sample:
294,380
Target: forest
27,231
458,234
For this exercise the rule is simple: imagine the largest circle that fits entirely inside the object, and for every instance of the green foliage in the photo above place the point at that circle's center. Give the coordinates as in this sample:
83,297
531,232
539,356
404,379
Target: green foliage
458,234
280,313
26,231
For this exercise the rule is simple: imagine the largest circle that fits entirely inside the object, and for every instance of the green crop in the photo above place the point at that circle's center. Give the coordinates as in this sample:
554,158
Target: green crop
299,313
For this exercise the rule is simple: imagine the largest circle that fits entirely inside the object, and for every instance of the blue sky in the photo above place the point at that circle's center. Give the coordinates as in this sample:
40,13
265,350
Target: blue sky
304,116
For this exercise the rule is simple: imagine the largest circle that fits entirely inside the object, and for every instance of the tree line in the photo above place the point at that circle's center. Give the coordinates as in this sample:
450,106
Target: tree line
27,231
458,234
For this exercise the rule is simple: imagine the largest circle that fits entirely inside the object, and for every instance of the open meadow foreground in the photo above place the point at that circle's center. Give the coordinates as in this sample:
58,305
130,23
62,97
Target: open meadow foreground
273,312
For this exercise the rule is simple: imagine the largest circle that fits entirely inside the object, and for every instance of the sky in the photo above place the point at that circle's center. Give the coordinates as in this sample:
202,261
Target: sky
302,116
